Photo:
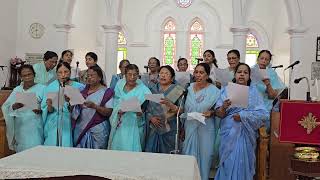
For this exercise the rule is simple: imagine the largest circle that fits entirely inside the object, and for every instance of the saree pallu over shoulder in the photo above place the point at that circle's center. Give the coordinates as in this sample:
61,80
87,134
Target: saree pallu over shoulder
162,140
238,139
97,118
199,138
129,136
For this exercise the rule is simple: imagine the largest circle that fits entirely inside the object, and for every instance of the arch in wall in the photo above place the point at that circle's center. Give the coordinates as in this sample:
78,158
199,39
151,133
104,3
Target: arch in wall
114,9
294,13
292,6
67,8
260,33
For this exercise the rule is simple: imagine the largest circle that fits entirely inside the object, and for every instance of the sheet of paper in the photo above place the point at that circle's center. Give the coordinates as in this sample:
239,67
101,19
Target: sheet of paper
154,97
29,100
258,75
54,97
130,105
74,95
182,78
196,116
222,76
238,95
263,74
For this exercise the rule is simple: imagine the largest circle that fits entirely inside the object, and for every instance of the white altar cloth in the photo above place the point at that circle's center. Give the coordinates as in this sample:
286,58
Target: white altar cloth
46,161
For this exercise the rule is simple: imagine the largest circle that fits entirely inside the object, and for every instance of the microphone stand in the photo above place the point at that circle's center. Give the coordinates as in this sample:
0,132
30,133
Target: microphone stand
77,77
308,92
290,79
315,83
176,143
60,113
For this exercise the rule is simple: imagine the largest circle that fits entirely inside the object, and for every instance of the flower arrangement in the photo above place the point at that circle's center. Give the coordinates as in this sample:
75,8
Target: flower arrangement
16,61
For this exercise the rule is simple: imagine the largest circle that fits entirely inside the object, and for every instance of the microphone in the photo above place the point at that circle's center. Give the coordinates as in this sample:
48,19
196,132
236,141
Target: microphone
199,60
63,84
291,65
275,67
296,81
146,67
77,63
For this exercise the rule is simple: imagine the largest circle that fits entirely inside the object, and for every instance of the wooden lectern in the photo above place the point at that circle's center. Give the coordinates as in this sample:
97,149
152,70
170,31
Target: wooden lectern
4,150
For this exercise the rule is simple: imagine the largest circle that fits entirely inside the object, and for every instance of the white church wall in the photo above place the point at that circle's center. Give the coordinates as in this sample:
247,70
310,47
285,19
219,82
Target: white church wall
309,9
39,11
281,41
8,19
88,35
144,21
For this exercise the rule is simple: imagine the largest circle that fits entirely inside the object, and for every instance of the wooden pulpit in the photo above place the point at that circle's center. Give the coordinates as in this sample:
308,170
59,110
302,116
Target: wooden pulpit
4,150
280,153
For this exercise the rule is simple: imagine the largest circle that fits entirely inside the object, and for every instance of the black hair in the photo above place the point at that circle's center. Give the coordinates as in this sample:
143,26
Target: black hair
157,60
213,55
182,59
206,68
123,61
65,52
67,65
131,67
49,54
236,69
92,55
99,71
234,51
26,66
266,51
173,74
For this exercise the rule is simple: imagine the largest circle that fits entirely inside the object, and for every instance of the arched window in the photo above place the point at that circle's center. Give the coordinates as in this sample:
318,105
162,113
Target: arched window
252,50
184,3
122,49
169,43
195,42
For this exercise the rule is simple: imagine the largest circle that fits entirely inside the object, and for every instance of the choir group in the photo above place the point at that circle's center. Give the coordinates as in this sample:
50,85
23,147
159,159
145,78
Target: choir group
226,140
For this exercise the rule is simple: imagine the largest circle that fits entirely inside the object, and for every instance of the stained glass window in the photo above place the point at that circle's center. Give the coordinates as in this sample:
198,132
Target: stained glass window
196,43
184,3
252,50
169,43
122,49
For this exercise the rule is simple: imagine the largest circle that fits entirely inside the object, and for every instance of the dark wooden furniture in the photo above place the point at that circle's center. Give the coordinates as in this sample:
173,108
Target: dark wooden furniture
4,150
280,153
305,170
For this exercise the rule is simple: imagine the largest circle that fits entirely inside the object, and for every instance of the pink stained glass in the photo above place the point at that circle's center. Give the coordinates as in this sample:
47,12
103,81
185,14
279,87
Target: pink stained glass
121,39
170,26
252,41
184,3
196,26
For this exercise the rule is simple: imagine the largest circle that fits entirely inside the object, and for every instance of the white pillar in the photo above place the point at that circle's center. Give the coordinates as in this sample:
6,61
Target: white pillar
63,31
239,40
296,54
111,50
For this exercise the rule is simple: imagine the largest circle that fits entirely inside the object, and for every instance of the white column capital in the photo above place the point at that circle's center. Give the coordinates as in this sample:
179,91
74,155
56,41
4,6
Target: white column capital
241,30
63,27
297,31
111,28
